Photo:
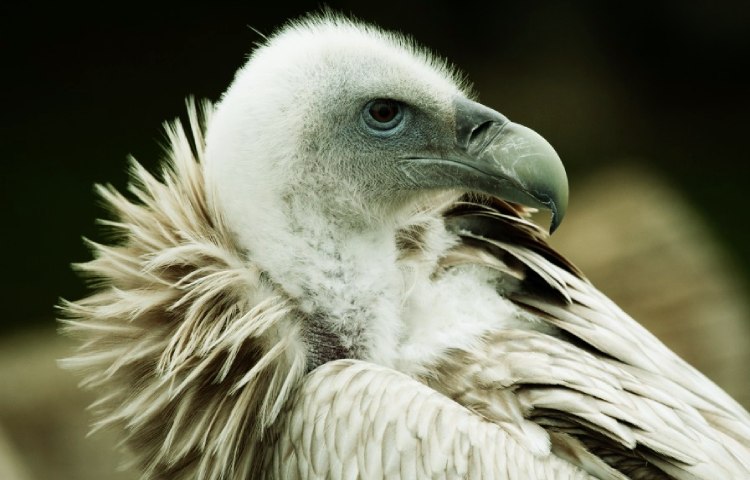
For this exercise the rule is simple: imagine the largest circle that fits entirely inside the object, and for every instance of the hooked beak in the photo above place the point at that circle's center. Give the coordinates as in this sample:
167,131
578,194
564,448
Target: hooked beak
496,156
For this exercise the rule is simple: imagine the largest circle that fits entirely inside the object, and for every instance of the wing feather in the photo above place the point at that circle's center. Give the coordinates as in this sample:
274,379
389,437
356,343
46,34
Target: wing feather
394,427
603,387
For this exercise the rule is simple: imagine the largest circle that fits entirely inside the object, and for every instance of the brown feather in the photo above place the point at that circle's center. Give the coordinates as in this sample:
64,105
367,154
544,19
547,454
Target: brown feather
192,352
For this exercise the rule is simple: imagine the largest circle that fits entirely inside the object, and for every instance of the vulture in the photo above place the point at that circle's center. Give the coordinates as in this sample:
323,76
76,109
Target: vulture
336,275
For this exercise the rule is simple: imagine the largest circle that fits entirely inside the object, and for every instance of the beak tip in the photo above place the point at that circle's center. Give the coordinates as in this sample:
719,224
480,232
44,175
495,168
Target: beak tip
558,209
556,221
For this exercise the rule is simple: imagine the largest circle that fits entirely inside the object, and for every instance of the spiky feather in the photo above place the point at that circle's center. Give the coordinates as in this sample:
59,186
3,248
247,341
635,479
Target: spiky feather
182,332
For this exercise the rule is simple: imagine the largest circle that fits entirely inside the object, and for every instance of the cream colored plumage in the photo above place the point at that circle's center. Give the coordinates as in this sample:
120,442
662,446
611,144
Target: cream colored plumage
297,298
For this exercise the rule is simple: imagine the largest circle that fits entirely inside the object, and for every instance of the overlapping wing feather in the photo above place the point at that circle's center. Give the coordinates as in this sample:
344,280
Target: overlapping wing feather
352,419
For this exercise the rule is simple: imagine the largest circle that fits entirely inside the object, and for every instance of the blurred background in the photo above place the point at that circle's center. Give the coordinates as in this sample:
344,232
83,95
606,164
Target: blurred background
648,104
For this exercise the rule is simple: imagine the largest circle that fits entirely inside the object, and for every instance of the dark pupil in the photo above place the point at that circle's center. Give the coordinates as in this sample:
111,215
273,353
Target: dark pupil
383,111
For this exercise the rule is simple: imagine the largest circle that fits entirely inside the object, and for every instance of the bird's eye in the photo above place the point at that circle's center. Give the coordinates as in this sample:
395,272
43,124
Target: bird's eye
383,114
383,111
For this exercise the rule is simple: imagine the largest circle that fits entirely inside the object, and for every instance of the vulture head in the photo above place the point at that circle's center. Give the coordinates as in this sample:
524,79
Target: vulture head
339,279
328,141
355,123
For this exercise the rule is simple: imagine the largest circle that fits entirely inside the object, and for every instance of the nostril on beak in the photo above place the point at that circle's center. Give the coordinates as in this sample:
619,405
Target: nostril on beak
479,130
483,135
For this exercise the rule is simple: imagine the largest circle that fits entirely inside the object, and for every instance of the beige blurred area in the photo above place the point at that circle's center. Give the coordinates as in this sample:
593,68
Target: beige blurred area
639,242
633,235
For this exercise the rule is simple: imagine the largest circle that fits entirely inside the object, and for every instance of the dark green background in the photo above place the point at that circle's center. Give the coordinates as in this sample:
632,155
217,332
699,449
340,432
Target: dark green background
661,83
